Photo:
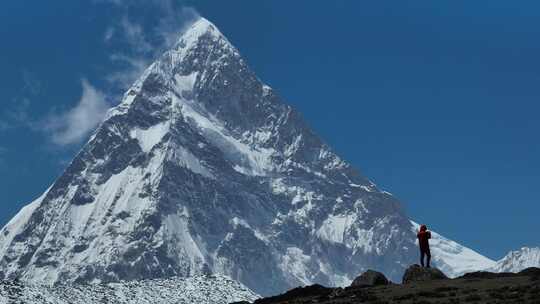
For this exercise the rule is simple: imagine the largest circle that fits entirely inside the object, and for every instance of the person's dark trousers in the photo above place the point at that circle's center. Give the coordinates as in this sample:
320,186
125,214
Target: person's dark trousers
425,253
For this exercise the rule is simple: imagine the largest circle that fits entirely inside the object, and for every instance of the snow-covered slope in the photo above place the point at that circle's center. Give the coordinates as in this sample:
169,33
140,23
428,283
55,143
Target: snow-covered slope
518,260
204,167
452,258
200,289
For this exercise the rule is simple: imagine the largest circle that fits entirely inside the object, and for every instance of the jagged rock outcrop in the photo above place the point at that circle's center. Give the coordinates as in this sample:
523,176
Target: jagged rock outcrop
370,278
417,273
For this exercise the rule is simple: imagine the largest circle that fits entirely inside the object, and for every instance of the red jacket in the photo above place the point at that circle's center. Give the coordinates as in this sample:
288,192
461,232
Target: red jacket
423,238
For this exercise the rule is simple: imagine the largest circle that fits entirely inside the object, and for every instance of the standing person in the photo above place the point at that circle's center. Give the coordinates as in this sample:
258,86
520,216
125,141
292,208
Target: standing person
423,239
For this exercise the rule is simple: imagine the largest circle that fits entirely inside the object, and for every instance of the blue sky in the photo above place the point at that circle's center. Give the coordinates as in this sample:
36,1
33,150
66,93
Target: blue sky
436,101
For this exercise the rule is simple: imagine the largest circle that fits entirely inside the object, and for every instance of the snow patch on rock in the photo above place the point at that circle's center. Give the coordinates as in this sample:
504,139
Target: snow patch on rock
148,138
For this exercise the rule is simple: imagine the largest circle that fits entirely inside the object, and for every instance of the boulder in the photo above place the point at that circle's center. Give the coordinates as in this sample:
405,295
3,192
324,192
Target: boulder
370,278
417,273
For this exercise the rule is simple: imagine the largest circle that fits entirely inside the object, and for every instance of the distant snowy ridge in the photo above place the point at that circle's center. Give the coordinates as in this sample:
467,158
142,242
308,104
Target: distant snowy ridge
518,260
452,258
195,290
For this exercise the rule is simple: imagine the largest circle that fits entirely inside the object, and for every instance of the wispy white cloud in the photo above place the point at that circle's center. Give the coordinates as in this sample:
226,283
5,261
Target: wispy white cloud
4,125
32,84
135,36
133,42
143,39
16,114
174,22
73,125
19,114
134,67
135,58
109,34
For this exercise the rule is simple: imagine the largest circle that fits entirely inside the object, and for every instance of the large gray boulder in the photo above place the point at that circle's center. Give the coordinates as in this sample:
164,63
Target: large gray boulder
370,278
417,273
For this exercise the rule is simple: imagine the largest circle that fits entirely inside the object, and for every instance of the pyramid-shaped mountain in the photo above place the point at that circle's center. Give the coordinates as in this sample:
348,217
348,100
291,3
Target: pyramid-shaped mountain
203,168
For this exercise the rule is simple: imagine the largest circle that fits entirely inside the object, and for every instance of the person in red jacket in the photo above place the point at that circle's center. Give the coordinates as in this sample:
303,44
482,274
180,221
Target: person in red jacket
423,239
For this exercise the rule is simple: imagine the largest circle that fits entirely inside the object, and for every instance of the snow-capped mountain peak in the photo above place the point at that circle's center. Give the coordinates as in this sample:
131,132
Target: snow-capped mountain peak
518,260
199,28
202,167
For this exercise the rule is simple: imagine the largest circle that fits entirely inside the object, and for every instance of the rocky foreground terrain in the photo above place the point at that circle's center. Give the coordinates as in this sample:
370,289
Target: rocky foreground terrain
198,289
423,287
419,286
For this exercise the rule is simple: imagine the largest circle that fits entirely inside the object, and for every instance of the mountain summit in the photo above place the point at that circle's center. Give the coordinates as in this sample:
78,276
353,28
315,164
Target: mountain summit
518,260
203,168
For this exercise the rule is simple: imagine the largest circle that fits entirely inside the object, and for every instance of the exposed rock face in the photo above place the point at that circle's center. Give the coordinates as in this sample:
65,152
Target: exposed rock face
370,278
417,273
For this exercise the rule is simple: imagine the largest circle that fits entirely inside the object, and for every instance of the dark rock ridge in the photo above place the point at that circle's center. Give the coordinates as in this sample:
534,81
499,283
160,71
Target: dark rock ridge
417,273
479,287
314,291
531,272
